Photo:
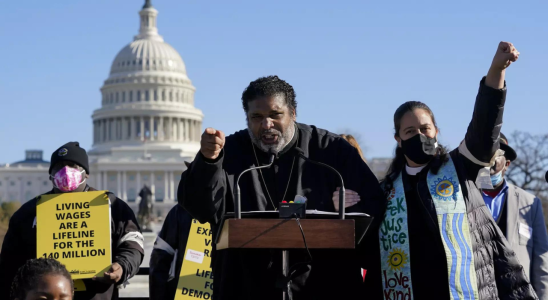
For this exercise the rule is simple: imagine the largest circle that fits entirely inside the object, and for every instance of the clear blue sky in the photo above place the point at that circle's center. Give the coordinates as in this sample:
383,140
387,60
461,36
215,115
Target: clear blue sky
352,63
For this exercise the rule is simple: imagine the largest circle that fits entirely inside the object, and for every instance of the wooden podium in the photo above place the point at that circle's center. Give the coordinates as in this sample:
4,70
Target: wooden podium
322,231
285,234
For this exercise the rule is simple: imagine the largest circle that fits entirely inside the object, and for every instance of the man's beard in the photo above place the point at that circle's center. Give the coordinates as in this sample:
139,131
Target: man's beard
283,139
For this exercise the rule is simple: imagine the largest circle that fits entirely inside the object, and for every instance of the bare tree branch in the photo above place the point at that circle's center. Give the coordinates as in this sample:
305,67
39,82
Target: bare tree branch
528,170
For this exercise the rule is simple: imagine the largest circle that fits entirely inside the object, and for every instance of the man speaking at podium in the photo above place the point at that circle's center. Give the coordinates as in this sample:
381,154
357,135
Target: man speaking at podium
206,191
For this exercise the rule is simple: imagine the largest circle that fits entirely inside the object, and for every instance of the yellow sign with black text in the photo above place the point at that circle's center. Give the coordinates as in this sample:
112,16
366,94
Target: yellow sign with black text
196,277
74,228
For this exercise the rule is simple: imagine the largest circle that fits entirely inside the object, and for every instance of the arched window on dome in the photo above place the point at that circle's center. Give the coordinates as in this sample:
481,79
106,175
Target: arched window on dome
129,128
155,95
109,130
117,97
163,95
138,128
147,130
131,194
130,96
104,130
138,96
159,194
170,95
124,96
111,97
28,195
147,96
174,130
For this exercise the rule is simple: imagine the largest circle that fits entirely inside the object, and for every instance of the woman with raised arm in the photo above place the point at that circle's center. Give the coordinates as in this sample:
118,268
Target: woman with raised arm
438,239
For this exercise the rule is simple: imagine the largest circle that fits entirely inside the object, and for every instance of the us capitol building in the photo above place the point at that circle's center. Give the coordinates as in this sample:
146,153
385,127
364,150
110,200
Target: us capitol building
144,131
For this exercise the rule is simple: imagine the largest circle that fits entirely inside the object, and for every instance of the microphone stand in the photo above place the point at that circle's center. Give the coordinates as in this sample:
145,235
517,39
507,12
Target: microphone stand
237,194
238,215
300,153
287,295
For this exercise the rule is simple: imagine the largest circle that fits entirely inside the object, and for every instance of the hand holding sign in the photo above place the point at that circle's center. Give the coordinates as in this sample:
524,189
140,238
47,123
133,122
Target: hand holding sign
113,275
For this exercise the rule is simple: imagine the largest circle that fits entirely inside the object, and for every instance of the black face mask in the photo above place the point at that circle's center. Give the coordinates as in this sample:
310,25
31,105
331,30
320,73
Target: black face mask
414,149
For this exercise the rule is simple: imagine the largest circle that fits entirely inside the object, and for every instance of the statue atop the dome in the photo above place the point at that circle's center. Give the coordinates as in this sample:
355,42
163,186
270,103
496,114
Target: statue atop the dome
147,4
145,209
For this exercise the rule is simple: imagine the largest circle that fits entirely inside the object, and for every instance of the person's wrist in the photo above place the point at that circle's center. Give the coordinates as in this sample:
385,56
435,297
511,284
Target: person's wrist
494,69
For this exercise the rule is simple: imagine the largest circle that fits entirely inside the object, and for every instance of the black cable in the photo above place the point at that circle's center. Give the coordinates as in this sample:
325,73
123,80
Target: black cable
304,238
295,266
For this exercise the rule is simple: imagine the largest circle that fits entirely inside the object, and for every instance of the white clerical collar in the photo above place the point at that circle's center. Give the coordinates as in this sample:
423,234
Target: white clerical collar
413,170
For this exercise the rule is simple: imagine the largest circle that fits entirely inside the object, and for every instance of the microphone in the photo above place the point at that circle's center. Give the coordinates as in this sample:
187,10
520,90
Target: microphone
300,153
237,194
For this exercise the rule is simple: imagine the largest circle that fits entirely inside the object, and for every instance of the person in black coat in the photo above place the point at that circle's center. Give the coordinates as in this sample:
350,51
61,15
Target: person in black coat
206,192
69,170
167,255
498,273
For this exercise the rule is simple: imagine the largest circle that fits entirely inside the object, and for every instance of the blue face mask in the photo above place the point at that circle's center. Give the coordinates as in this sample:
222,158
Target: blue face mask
496,179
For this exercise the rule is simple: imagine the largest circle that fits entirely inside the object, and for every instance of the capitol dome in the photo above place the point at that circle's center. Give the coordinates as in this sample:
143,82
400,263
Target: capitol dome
148,51
148,54
144,132
148,97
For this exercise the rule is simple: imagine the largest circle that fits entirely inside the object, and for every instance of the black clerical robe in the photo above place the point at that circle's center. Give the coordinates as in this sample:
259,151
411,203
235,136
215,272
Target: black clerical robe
206,192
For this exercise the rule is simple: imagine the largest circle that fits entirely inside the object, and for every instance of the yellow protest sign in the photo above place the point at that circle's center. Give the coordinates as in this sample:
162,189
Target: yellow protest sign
79,285
74,228
196,277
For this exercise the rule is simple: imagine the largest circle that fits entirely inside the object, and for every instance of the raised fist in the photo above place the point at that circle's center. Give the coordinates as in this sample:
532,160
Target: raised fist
212,143
505,55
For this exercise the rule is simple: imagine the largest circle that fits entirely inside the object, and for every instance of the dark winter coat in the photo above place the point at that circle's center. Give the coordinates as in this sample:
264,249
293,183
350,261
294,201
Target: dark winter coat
20,245
499,273
206,192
